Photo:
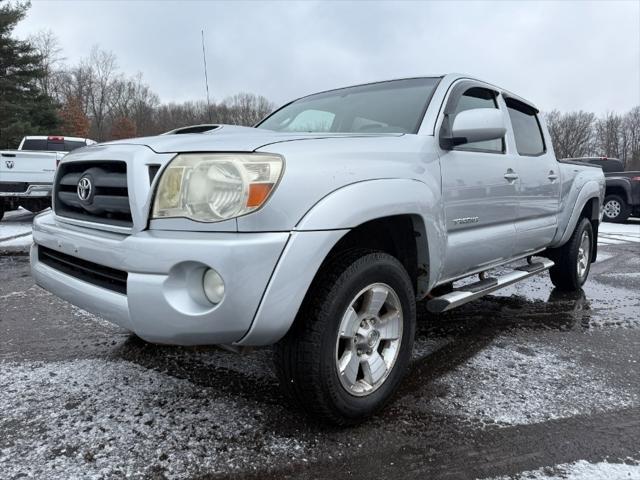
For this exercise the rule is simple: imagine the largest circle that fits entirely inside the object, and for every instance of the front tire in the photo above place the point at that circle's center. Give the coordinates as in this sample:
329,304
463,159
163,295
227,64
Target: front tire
573,259
351,343
615,209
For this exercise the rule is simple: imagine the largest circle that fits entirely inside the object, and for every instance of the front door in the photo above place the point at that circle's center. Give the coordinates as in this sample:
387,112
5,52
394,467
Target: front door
479,193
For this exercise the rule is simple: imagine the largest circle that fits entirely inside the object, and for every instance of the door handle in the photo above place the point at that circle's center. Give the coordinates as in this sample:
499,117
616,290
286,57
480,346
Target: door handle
552,176
511,175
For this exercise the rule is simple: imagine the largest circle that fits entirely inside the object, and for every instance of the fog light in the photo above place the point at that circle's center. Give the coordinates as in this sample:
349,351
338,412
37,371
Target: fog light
213,286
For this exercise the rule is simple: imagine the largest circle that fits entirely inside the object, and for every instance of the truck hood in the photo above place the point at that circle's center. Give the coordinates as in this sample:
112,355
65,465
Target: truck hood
230,138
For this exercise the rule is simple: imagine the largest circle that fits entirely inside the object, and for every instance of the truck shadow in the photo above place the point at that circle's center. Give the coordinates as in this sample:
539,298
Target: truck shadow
458,336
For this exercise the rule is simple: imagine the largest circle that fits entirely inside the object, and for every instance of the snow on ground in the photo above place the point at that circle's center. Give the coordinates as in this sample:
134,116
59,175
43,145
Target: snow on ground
581,470
548,384
22,241
97,418
619,233
15,229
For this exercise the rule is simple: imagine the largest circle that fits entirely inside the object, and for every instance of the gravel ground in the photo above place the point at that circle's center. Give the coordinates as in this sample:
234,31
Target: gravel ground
527,383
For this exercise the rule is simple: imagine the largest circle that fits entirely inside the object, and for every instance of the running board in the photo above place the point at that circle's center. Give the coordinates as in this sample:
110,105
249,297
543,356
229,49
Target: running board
479,289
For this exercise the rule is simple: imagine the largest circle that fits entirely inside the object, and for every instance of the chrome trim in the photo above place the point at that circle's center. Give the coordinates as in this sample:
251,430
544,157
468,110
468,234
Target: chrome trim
31,191
461,296
92,225
488,267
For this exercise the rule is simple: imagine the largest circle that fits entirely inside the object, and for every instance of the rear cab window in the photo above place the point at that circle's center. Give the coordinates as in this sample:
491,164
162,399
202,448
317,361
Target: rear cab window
526,128
55,144
35,144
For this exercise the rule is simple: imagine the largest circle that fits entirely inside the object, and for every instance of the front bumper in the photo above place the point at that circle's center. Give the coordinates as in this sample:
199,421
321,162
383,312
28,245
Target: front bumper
31,191
162,303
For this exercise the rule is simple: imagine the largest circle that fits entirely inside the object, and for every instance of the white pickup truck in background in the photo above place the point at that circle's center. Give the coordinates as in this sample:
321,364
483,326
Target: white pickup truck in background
26,174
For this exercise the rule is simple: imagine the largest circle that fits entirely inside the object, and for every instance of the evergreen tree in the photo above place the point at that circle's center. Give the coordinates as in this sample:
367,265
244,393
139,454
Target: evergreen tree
24,108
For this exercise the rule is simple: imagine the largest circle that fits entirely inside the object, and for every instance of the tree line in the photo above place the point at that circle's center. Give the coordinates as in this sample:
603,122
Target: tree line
582,134
41,94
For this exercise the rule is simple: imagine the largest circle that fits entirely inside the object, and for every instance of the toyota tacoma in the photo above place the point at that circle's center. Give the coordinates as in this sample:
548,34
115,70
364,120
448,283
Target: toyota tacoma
318,230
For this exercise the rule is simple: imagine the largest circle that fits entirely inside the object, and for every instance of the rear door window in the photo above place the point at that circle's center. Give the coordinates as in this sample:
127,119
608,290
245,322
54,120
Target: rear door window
526,128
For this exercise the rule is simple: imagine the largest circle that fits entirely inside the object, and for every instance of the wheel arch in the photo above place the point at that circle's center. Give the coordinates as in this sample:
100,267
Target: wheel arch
398,217
407,207
620,188
587,203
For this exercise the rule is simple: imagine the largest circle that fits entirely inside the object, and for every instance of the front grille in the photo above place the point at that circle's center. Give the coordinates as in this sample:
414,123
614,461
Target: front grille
108,200
14,187
99,275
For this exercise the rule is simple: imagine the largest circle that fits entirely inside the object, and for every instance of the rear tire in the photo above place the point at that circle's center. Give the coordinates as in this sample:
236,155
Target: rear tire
573,259
1,208
359,312
615,209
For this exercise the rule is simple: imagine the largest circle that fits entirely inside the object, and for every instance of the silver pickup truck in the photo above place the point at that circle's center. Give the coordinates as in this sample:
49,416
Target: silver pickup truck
318,230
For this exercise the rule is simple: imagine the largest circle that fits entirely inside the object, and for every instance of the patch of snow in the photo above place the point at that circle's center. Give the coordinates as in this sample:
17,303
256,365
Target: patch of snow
627,232
105,419
10,230
23,241
609,241
581,470
84,315
603,256
509,383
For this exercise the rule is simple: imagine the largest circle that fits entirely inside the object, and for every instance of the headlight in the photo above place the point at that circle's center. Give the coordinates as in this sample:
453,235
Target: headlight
211,187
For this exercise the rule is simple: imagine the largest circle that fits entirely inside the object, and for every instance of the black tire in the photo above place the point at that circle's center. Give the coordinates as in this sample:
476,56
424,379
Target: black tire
306,358
615,209
1,208
565,274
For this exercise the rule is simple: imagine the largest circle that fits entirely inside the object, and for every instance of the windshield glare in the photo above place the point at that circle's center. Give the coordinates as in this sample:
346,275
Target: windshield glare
388,107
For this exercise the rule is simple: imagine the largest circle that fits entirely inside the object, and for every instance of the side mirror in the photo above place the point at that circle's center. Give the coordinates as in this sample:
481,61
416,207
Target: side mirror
477,125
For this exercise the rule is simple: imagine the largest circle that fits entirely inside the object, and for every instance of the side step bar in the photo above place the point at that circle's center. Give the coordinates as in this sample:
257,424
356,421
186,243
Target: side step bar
479,289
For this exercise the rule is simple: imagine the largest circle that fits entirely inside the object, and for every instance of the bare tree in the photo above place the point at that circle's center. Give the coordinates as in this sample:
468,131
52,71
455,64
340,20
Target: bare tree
47,45
246,108
631,139
102,68
571,133
134,100
607,135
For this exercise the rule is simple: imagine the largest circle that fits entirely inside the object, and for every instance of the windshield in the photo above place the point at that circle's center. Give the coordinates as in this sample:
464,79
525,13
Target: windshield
396,106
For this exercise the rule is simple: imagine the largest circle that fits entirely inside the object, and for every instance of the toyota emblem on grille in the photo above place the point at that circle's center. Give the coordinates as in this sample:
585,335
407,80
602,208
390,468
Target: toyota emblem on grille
85,188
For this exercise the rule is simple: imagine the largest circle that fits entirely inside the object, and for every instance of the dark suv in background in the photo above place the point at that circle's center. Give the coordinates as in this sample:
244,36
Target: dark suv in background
622,198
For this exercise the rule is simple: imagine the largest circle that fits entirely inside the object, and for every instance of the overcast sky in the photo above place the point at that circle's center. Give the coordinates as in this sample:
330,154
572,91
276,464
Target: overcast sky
565,54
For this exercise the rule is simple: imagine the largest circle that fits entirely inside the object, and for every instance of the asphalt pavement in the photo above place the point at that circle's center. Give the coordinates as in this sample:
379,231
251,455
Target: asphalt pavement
525,383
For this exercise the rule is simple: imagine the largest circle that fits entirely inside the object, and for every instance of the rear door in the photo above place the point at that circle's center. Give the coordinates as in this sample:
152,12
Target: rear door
539,179
479,191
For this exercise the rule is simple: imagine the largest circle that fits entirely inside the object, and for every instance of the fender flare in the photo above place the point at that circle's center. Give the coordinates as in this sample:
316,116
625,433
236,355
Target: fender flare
589,191
319,231
361,202
621,183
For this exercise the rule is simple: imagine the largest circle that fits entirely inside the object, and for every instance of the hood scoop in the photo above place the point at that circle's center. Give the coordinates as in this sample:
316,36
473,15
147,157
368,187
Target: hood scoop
205,127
